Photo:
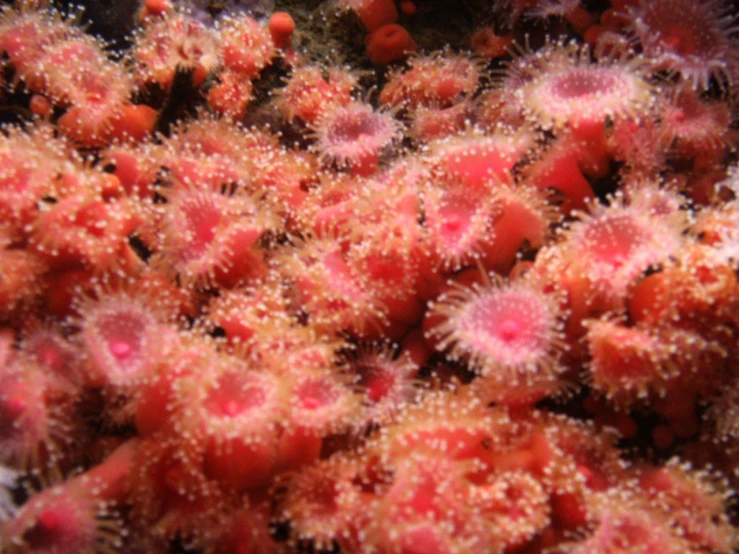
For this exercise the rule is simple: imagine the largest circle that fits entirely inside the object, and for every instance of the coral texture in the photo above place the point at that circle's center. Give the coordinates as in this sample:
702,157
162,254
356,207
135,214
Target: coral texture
369,276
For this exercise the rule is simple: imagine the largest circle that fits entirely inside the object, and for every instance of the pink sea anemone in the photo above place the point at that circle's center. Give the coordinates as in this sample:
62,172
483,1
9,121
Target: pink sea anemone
355,136
608,251
559,86
696,39
510,331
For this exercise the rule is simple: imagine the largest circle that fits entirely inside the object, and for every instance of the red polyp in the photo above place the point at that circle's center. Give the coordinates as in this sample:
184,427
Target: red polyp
108,481
689,38
281,27
239,464
315,394
320,405
591,134
299,447
25,422
56,528
118,341
389,43
229,401
524,217
476,165
68,517
626,362
560,170
374,13
235,419
355,136
248,47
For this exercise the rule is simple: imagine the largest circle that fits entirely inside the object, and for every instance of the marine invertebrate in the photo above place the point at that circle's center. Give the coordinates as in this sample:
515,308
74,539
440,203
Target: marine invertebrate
355,136
485,42
509,331
457,226
373,13
321,283
88,229
322,502
281,305
308,93
281,27
207,236
77,515
390,43
62,519
564,88
247,46
424,486
440,80
694,129
173,40
172,496
32,165
695,40
232,413
559,88
119,333
524,219
385,379
613,246
35,420
71,70
627,363
515,505
21,281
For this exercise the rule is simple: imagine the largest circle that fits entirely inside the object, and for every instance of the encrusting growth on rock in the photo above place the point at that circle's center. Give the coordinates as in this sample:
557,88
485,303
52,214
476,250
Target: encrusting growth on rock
369,276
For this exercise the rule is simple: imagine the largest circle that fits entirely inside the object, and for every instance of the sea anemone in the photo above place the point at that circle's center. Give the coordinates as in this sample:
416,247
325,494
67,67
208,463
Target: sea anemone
695,39
355,136
559,86
512,331
611,247
174,41
63,518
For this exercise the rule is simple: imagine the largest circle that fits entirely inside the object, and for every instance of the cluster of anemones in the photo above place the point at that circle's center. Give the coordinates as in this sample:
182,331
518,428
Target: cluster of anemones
423,322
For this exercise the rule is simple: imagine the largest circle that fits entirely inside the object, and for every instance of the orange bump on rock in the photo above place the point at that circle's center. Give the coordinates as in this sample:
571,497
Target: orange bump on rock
374,13
155,8
40,105
86,128
593,33
580,19
489,45
281,27
134,122
408,8
389,43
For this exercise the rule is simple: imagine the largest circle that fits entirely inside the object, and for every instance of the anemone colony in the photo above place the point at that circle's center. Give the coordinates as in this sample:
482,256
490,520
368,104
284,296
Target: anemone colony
473,297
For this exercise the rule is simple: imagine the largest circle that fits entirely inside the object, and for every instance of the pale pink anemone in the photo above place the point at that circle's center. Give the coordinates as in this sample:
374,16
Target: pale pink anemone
560,86
504,330
696,39
355,136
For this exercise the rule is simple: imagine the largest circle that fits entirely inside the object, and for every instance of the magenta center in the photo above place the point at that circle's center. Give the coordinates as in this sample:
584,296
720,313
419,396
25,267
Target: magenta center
581,83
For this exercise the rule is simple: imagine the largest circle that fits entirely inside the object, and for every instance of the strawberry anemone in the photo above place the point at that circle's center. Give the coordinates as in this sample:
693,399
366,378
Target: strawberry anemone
562,89
504,331
696,40
608,250
355,136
